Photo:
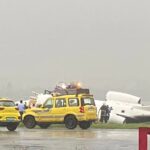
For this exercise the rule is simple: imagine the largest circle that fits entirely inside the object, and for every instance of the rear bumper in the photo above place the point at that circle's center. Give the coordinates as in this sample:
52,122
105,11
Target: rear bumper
86,118
7,123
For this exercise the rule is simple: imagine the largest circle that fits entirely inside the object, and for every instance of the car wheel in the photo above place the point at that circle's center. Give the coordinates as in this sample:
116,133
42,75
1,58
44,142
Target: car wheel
44,125
29,122
12,126
84,124
70,122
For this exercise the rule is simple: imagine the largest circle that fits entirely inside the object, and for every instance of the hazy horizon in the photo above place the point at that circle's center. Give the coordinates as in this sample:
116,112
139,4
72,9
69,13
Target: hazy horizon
103,44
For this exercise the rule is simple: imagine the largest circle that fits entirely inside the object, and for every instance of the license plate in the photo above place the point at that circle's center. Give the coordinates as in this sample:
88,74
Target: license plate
10,119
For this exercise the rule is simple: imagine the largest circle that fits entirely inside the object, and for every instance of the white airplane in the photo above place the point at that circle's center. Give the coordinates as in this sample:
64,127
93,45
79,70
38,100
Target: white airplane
37,100
126,108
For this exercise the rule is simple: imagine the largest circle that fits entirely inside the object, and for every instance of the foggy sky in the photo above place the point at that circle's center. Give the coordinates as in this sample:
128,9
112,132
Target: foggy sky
103,44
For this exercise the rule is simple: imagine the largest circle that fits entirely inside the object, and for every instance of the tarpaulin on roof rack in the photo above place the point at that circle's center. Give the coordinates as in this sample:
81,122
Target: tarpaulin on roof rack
72,91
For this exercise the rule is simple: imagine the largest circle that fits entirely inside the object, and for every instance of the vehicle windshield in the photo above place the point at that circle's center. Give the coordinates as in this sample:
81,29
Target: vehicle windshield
48,103
87,101
7,103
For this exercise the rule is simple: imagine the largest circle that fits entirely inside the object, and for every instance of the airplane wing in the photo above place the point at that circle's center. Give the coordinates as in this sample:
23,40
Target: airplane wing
125,116
131,119
134,119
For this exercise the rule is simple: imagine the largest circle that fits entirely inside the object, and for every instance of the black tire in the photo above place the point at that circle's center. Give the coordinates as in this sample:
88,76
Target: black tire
84,124
12,126
70,122
44,125
29,122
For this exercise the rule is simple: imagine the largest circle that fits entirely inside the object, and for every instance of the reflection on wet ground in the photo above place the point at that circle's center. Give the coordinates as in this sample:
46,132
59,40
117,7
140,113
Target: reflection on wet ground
62,138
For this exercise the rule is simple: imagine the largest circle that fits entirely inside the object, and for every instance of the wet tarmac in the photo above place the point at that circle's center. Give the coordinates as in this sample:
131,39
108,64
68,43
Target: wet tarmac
64,139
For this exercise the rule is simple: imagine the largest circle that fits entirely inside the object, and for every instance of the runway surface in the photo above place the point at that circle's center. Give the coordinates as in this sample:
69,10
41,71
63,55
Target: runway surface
60,138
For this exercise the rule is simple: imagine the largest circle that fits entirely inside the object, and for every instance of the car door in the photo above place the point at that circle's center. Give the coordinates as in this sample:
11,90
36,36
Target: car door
59,110
46,114
73,105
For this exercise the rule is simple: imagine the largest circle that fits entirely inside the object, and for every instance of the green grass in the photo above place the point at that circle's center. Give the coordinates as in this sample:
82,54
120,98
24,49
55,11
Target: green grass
21,124
106,126
120,126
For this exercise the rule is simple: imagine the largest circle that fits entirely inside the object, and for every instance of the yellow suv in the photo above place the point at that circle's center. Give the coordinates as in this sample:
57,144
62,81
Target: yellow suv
9,114
72,110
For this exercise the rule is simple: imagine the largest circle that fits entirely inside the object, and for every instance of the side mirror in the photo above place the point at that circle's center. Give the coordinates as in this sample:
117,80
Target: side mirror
39,106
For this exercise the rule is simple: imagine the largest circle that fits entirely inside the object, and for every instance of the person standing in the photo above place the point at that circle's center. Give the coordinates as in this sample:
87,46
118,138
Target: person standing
107,114
103,113
21,108
25,105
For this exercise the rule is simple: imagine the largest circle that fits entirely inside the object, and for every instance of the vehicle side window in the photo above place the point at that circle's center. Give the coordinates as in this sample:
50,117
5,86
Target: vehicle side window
87,101
48,104
73,102
60,103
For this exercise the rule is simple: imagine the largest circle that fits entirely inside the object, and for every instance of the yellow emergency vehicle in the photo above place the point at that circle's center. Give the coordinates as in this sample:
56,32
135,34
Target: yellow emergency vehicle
9,114
76,108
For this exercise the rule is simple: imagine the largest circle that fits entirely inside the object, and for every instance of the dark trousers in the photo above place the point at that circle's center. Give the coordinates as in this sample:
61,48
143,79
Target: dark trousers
21,113
103,116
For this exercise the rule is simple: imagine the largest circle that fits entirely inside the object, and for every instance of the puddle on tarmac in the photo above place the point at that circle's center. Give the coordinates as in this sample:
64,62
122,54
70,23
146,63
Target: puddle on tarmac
63,139
23,147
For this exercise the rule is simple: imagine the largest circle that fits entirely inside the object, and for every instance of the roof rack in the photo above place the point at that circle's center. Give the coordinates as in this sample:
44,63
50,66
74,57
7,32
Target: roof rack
61,92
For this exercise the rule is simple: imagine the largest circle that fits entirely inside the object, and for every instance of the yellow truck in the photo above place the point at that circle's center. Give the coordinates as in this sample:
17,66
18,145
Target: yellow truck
9,114
72,110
